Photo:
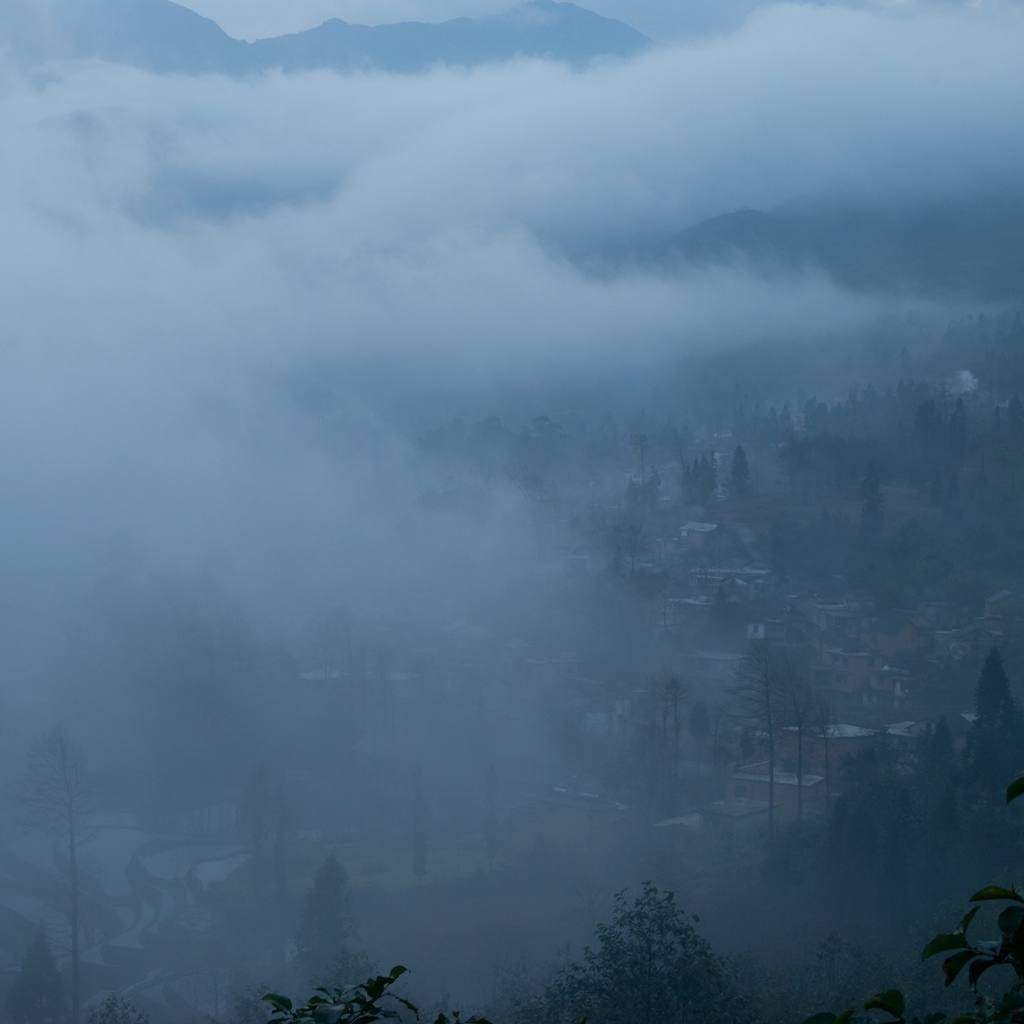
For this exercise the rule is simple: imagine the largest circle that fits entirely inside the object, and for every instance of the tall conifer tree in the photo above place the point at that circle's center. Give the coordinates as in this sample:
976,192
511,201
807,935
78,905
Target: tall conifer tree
326,925
37,994
995,744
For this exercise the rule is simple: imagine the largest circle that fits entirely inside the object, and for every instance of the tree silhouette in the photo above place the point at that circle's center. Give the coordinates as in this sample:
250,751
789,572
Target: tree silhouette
994,747
647,966
758,698
56,795
797,707
117,1011
325,926
37,994
739,472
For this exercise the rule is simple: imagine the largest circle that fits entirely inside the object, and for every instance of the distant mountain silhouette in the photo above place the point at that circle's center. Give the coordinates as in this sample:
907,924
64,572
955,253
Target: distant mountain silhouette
164,37
964,248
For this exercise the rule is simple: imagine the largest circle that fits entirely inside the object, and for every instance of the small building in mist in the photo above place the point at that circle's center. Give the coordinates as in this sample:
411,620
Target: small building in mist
697,534
733,816
751,782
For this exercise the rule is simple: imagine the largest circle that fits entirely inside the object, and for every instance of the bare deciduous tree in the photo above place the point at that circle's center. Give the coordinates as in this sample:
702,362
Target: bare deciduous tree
56,794
797,700
670,695
630,540
757,695
823,726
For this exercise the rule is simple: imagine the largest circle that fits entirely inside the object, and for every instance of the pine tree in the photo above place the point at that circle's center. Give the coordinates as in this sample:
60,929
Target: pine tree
994,751
739,471
326,925
37,995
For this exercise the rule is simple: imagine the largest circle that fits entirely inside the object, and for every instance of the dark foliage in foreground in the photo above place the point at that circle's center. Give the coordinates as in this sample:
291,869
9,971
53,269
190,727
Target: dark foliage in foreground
978,957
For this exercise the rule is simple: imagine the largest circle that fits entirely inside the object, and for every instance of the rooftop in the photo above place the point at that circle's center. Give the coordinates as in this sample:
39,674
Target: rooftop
737,807
751,774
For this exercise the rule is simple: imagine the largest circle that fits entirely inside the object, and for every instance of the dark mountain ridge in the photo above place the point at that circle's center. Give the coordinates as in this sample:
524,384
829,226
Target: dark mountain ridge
969,247
164,37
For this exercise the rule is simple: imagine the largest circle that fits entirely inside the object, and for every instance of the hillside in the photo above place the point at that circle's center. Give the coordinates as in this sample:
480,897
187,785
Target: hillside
971,247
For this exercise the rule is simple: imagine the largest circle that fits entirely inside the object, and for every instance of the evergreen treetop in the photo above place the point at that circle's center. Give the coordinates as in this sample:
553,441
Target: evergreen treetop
326,926
37,994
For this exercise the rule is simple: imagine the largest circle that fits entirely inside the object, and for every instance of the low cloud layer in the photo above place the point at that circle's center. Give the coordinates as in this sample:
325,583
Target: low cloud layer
178,247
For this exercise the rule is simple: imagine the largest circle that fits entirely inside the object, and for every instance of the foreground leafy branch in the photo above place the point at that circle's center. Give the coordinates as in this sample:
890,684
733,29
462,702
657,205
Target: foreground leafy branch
977,957
371,1001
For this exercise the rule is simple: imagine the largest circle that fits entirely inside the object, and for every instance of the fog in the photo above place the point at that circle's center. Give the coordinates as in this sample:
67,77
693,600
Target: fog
202,237
339,373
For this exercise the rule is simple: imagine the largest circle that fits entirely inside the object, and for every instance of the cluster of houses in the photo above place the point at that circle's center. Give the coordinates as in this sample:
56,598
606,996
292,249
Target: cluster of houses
881,672
874,665
892,672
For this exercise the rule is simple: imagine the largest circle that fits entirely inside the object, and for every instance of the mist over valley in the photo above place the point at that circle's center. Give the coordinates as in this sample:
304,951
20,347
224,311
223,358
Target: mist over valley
471,472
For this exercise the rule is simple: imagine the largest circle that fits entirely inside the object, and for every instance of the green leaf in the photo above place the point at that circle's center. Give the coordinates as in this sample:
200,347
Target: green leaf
995,892
965,921
375,987
944,943
280,1003
977,969
892,1002
397,971
953,965
1015,789
1010,919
